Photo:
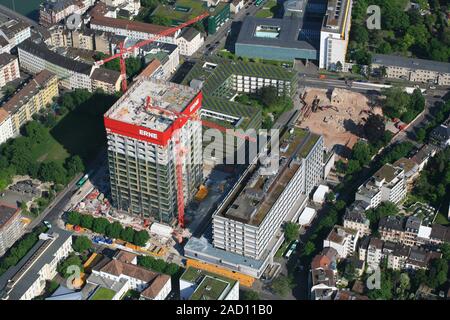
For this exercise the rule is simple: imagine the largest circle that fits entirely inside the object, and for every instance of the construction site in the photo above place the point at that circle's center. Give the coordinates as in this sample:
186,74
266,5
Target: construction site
337,114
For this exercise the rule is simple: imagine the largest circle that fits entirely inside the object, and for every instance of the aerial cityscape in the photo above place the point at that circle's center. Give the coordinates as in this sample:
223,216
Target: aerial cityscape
224,150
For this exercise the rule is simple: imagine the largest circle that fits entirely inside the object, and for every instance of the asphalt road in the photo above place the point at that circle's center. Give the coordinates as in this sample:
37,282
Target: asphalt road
56,207
221,35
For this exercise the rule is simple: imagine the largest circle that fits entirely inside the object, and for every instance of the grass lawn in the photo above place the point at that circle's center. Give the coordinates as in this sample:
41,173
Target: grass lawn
48,151
441,219
103,294
268,10
282,249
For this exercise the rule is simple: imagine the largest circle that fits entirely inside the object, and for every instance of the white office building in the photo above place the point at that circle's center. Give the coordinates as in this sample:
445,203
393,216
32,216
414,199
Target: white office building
335,33
27,279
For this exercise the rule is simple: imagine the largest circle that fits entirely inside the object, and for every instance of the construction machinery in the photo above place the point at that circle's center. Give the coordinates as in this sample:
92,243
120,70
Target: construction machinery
124,52
202,193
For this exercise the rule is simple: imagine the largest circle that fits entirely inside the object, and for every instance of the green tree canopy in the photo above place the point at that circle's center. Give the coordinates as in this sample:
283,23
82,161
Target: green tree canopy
81,244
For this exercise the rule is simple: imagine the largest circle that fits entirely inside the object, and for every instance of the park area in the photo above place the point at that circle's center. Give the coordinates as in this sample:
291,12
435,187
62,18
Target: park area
59,142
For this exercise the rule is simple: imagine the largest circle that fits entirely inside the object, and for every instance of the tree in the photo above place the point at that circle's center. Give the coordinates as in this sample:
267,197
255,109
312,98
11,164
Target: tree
437,273
74,165
249,295
339,66
269,96
86,221
281,285
445,249
396,102
73,218
291,231
171,269
353,166
140,238
146,261
360,34
52,171
81,244
159,265
309,248
361,151
374,128
99,225
114,230
421,134
127,234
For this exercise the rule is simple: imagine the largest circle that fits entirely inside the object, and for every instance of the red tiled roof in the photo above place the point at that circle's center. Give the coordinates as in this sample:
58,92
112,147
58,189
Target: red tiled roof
156,286
117,268
128,24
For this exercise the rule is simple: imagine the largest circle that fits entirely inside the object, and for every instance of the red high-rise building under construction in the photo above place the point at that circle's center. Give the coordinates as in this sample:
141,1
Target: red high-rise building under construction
155,149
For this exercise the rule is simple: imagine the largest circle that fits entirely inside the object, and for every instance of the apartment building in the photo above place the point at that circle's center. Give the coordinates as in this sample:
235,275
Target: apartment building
387,184
356,219
371,251
392,228
401,257
53,11
106,80
14,32
412,227
142,152
167,54
189,41
415,70
83,39
37,94
5,46
125,8
6,126
27,279
72,74
9,68
343,240
131,29
11,228
197,284
323,275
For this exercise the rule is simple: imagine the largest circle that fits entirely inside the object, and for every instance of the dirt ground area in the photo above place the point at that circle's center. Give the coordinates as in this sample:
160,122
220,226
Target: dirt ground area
339,115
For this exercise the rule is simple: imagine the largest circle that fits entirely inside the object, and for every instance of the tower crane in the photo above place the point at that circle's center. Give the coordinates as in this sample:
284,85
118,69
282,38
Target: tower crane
124,51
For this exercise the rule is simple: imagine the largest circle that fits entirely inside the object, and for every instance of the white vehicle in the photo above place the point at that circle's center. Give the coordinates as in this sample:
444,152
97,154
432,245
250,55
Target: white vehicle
47,224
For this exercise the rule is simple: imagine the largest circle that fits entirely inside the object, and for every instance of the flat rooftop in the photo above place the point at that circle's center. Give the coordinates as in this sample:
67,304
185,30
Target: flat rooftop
132,107
252,202
282,33
337,16
210,286
411,63
211,289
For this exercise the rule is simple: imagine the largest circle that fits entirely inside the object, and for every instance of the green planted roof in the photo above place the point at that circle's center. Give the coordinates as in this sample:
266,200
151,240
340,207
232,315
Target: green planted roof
226,68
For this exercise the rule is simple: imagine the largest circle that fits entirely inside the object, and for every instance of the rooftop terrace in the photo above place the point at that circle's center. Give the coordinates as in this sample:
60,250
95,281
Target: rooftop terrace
132,107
